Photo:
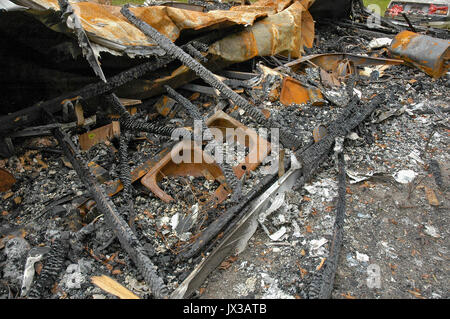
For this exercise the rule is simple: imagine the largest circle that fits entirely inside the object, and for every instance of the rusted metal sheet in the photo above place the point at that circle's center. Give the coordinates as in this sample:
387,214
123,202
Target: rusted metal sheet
332,62
286,31
116,186
293,92
7,180
106,26
429,54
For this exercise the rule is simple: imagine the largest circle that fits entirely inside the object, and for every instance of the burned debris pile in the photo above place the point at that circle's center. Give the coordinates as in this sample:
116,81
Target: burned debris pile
143,146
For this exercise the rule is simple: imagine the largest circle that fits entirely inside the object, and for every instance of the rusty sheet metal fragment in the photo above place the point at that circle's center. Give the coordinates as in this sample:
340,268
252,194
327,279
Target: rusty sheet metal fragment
288,31
330,62
429,54
7,180
107,132
293,92
106,26
259,148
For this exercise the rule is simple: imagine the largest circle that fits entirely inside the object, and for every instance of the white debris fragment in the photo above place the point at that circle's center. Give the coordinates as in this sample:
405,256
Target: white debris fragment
405,176
278,234
316,247
415,155
432,231
362,257
379,43
358,177
353,136
357,92
273,292
325,188
296,229
175,220
389,250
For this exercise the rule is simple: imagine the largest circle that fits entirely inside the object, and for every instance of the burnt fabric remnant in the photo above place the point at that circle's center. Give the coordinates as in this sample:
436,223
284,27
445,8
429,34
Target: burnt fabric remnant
269,149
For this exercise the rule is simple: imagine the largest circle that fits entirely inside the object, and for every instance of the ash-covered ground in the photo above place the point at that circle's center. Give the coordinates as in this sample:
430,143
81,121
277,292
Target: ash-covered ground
396,235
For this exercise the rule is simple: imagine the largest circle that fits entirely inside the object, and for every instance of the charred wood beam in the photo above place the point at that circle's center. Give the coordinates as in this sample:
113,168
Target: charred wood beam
322,285
53,265
351,117
32,114
131,124
127,238
287,138
196,54
25,116
125,177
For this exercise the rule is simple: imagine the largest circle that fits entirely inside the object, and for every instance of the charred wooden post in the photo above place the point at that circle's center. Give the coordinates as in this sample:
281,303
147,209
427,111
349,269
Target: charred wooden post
53,265
125,177
138,125
322,285
127,238
287,138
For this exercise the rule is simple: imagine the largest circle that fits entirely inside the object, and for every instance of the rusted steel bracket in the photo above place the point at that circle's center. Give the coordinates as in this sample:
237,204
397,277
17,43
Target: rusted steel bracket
114,187
322,285
287,138
127,238
167,167
227,170
259,147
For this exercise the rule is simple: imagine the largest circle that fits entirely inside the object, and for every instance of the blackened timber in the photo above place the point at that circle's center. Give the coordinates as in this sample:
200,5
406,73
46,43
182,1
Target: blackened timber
139,125
53,266
127,238
31,114
287,138
125,177
83,40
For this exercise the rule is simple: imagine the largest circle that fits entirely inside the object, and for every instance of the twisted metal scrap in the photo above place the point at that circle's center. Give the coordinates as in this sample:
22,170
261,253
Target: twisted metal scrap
127,238
287,138
195,114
